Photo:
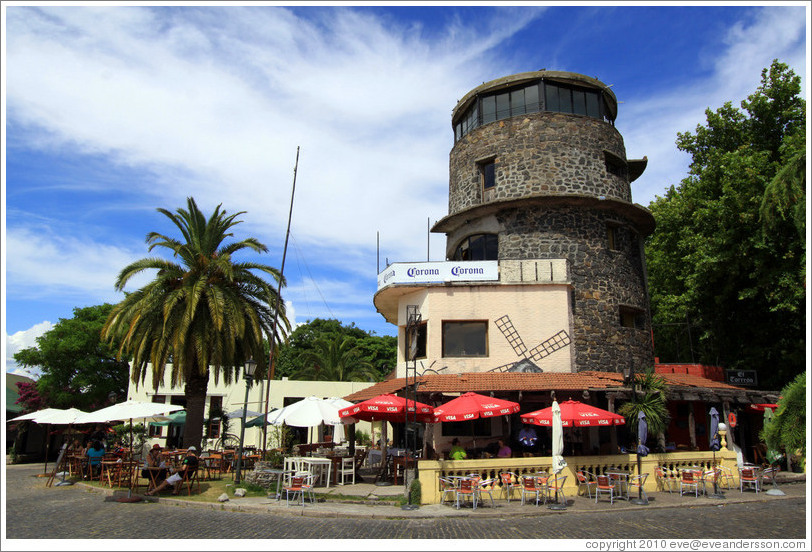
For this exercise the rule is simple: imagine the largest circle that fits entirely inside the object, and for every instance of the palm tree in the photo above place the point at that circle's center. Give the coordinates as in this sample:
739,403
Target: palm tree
649,398
205,314
335,360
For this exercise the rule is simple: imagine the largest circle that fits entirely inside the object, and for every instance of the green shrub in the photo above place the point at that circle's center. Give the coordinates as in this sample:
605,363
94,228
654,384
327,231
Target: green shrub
416,491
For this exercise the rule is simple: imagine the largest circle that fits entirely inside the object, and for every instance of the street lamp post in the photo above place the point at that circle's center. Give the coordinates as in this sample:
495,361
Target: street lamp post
248,375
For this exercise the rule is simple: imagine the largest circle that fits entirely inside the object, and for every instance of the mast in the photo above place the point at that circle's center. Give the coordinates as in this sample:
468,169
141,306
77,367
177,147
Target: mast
272,337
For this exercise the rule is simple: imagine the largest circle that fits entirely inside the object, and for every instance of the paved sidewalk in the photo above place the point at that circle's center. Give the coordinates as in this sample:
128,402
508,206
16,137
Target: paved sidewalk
793,485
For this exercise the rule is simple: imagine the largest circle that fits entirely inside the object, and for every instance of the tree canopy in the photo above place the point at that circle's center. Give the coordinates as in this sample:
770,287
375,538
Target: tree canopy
314,338
207,313
79,370
728,255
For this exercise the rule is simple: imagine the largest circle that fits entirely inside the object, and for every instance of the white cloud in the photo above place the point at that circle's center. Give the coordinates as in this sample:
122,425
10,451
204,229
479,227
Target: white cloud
24,339
650,126
43,262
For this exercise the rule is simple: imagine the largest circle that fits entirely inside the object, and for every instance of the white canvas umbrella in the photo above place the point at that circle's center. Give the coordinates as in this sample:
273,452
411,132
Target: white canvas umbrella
557,449
130,410
248,414
310,412
50,416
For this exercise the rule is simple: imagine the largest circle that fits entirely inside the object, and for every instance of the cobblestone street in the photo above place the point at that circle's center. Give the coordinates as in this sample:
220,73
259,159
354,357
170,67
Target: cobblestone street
75,512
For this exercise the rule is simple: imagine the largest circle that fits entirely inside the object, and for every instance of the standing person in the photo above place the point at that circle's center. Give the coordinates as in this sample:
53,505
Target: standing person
188,468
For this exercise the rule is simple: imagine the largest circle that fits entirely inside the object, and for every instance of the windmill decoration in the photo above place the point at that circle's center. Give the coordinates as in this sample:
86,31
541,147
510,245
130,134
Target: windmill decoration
528,357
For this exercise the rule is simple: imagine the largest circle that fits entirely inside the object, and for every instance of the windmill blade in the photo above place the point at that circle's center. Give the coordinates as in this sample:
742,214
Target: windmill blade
513,338
551,345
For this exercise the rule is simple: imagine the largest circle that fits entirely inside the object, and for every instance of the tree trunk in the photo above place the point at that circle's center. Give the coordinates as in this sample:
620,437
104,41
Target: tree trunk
195,393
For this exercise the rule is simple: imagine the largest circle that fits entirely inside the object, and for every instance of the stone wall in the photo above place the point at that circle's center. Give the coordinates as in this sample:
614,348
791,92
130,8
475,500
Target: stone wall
602,280
535,155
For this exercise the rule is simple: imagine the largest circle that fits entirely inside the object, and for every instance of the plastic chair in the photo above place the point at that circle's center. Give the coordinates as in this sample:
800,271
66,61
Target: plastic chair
585,481
689,479
485,486
467,487
346,468
532,485
638,483
750,477
605,485
507,479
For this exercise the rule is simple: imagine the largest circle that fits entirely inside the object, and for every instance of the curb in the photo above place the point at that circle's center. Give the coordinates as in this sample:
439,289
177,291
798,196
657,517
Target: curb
395,512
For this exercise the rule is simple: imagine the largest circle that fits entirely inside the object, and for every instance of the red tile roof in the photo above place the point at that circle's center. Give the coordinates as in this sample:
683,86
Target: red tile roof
490,381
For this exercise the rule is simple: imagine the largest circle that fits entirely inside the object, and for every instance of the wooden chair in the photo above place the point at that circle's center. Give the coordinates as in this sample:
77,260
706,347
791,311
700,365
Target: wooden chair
345,468
212,466
190,477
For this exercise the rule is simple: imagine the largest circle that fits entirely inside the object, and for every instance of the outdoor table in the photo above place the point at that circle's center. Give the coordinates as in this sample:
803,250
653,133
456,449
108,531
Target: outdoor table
402,462
154,472
621,478
108,471
318,464
374,457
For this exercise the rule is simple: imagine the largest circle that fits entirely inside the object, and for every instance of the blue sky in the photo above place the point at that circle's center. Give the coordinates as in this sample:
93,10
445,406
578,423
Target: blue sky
113,111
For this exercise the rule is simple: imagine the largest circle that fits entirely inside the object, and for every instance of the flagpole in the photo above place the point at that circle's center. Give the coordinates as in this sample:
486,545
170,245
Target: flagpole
272,357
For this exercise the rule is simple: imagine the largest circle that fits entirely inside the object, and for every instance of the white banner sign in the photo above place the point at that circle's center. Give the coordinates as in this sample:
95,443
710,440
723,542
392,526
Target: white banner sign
439,272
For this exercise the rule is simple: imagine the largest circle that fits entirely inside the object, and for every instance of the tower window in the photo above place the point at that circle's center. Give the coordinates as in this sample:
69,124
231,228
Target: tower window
615,165
631,317
479,247
487,172
611,236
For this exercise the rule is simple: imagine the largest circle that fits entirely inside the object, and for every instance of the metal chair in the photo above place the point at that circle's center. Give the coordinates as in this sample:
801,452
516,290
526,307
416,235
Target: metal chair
726,479
638,482
532,485
508,484
689,479
467,487
750,477
485,486
585,481
664,479
299,484
605,485
447,486
555,485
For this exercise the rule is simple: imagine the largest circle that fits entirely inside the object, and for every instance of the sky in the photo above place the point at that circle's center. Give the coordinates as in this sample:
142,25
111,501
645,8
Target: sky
112,111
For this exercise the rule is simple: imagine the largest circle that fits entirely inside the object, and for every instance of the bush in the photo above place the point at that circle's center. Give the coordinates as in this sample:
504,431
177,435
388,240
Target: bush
416,491
362,438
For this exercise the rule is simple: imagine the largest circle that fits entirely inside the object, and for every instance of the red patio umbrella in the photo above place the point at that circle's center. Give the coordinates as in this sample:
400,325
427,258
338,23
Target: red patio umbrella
574,414
473,405
388,407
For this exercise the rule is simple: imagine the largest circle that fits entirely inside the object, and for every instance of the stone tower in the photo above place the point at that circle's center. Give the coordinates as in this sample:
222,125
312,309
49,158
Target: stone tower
538,172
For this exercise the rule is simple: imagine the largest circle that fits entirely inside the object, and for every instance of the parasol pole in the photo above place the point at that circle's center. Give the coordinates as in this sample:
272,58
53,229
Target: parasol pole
272,337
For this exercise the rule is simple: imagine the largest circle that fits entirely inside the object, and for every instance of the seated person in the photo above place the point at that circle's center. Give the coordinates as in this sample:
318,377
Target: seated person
188,468
528,439
154,460
504,450
457,452
95,454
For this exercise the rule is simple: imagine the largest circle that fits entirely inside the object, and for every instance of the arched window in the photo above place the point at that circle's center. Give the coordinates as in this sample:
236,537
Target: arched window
479,247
